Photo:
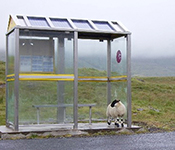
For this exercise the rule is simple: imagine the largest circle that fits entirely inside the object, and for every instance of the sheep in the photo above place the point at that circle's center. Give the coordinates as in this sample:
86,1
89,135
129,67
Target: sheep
116,110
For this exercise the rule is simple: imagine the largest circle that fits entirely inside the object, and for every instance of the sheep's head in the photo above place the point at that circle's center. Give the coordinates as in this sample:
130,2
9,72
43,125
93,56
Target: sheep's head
114,103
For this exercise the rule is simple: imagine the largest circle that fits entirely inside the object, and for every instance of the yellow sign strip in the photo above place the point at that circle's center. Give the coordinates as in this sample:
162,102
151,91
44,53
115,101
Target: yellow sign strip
102,79
10,79
65,77
10,75
42,77
118,78
46,75
33,79
92,79
115,77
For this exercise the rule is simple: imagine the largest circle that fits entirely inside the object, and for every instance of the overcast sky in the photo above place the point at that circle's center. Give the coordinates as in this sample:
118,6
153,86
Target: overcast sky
151,22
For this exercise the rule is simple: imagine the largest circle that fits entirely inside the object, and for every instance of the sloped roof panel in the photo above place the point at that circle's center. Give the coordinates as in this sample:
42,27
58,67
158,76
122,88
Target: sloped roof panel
21,20
82,24
101,25
60,23
36,21
56,23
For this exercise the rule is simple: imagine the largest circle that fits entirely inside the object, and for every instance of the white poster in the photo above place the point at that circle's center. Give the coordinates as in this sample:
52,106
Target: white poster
36,63
25,63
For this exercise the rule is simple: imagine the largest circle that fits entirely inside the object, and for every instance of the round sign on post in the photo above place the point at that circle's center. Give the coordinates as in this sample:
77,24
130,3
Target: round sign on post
118,56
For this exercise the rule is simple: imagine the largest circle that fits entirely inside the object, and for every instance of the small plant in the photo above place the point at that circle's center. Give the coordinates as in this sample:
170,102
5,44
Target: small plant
33,136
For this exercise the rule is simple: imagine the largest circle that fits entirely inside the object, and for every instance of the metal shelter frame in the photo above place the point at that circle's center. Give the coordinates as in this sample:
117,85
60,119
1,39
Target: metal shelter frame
81,29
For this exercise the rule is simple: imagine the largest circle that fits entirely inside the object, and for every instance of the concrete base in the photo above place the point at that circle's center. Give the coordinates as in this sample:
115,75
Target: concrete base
37,128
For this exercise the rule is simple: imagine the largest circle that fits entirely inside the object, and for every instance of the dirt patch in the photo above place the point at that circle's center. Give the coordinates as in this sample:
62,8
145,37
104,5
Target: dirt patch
150,129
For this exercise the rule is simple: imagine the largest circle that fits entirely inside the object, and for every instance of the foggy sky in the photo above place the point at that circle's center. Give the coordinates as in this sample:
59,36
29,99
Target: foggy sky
151,22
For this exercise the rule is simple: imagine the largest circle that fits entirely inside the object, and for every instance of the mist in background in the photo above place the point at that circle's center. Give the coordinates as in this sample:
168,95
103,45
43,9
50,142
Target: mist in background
151,22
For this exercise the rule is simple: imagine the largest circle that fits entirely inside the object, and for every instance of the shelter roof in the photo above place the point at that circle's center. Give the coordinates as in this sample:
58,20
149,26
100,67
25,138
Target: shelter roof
84,26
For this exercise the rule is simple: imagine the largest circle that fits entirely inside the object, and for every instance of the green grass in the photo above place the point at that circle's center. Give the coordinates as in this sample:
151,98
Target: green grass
2,93
153,101
152,98
2,72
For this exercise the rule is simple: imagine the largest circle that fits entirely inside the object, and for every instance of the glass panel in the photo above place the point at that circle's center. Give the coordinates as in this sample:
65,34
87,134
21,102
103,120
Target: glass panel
47,52
119,91
103,25
46,95
92,63
11,101
10,85
119,57
92,92
11,53
61,23
92,58
38,22
83,24
36,55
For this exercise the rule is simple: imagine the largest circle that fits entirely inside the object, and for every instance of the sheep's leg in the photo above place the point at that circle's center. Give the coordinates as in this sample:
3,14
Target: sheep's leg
117,121
122,122
109,120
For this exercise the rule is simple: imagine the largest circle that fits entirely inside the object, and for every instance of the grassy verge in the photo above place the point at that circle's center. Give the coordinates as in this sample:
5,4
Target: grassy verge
153,101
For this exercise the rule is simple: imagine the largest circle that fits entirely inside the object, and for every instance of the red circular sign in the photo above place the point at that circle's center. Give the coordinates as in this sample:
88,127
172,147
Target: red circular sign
118,56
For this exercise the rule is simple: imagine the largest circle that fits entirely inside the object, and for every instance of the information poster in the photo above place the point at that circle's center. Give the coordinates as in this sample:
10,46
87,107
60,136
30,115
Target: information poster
36,63
25,63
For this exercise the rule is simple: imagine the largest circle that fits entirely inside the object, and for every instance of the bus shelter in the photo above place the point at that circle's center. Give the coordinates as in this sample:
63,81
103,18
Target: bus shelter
64,70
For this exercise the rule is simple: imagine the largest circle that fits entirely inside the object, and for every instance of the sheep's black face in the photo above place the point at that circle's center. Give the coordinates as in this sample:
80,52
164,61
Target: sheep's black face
118,100
114,102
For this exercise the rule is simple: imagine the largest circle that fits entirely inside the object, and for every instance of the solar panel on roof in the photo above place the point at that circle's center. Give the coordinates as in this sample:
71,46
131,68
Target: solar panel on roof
118,28
82,24
73,24
21,20
103,25
38,22
61,23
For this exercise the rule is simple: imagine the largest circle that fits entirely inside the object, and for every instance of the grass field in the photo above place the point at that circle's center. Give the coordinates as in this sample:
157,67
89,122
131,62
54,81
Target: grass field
2,93
152,100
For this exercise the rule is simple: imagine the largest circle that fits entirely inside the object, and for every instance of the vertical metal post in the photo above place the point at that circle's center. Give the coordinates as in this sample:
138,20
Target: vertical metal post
6,73
128,38
75,59
61,84
16,90
108,71
90,115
